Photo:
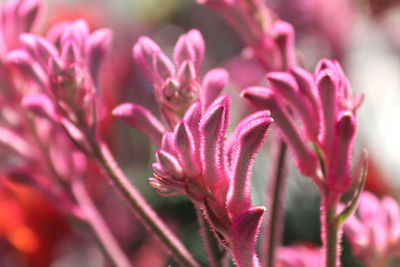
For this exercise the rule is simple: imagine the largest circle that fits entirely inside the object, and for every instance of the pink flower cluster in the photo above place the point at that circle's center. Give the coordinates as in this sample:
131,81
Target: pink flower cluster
178,85
197,160
374,231
65,68
325,108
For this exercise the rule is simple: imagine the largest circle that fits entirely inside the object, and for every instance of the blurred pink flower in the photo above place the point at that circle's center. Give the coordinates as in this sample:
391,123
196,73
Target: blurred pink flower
374,231
299,256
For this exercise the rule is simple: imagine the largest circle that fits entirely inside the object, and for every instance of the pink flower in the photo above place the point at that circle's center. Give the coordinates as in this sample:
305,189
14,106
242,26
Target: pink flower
374,231
299,256
177,85
270,40
17,16
66,67
325,109
196,160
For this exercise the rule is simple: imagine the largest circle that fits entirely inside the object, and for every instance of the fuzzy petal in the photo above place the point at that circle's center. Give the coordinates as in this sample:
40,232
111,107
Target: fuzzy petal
213,83
245,229
251,133
213,130
97,45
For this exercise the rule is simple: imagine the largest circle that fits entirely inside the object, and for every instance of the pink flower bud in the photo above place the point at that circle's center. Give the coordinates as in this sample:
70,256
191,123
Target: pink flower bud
23,61
28,13
70,53
163,188
140,118
40,105
284,38
197,41
163,67
96,47
167,142
327,86
213,130
339,175
143,52
251,132
169,164
285,85
184,50
76,32
305,81
187,151
192,119
245,229
213,83
186,74
38,48
264,98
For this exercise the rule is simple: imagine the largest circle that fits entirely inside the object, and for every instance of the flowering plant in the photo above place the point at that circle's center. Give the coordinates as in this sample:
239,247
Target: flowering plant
55,146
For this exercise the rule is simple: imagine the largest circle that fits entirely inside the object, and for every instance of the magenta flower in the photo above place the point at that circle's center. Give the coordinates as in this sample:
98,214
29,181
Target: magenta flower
174,90
270,40
17,16
374,231
196,160
299,256
177,85
64,69
325,109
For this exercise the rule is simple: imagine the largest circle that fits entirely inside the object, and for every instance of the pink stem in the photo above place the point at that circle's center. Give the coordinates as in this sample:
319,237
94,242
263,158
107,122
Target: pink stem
94,219
140,206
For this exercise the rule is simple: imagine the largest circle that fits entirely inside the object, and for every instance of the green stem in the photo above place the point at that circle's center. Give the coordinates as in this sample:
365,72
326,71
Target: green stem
140,206
330,232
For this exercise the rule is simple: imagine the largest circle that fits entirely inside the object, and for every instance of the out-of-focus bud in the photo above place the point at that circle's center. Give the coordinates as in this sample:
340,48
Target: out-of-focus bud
96,48
141,119
41,105
213,83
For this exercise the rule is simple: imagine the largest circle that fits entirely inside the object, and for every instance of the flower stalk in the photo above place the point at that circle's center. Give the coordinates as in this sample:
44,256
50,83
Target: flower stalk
140,206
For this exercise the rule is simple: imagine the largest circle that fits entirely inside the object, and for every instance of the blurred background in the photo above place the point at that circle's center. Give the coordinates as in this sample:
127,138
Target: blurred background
364,35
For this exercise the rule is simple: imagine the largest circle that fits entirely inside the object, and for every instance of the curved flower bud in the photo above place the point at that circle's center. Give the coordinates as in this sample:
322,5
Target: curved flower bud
24,62
143,52
163,67
213,83
140,118
285,85
185,145
41,105
245,229
339,175
327,87
251,132
169,164
305,81
184,50
263,98
213,129
96,48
